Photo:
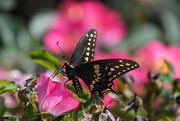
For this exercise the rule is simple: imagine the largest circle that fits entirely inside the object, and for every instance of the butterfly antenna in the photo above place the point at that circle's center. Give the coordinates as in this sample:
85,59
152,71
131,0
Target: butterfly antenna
64,56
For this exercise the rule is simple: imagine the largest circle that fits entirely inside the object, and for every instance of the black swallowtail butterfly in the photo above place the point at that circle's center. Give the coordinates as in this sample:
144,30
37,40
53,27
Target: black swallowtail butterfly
98,75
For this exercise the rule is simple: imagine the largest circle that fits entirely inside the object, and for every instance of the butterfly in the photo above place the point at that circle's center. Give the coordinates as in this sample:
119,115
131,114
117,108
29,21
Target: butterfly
97,75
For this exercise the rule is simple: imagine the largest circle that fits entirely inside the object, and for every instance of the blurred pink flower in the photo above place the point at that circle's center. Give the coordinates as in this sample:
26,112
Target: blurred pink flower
11,100
74,18
13,75
115,54
151,56
109,101
54,97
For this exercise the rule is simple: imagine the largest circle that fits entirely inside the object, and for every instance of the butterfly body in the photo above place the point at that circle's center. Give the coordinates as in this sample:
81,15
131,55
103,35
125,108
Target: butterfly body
97,75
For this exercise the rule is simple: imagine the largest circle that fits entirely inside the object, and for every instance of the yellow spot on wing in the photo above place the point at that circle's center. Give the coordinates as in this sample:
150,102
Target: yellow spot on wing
97,71
86,58
120,61
112,69
97,80
91,35
88,48
98,77
87,53
116,66
109,84
91,87
89,39
109,73
99,74
121,65
106,68
127,64
87,35
110,79
93,82
96,66
89,43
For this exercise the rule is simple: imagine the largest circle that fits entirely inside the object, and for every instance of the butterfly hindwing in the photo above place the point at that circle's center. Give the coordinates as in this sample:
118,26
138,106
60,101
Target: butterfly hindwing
99,75
84,51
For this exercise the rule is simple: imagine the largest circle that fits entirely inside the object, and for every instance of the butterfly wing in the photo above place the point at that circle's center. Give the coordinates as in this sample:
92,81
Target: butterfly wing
84,51
99,75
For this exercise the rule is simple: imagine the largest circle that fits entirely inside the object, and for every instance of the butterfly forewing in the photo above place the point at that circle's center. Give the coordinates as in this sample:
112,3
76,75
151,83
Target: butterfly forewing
98,75
84,51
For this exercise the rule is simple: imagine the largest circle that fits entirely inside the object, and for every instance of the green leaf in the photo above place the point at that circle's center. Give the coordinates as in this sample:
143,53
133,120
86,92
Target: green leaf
31,109
85,96
168,73
44,58
8,87
13,118
4,82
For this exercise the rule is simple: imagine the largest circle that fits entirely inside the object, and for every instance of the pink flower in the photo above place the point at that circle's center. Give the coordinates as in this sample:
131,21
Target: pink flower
151,57
75,18
54,97
13,75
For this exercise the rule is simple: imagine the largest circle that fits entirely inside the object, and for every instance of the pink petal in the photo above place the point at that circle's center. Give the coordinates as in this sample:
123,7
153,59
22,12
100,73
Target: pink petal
54,97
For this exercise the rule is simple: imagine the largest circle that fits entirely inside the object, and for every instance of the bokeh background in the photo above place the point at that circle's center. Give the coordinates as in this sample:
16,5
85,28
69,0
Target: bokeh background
146,31
30,25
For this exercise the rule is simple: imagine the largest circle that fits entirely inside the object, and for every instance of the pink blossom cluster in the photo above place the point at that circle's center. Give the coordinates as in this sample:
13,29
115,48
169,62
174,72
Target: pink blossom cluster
74,18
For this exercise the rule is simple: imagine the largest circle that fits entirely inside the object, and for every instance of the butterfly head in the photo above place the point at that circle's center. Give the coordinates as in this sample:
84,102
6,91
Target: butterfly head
69,71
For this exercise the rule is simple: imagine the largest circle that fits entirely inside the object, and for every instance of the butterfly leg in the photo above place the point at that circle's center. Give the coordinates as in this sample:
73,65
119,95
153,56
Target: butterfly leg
66,82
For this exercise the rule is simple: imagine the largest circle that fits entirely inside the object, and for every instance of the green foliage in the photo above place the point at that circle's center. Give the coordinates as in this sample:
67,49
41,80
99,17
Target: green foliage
7,86
168,76
13,118
31,110
44,58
